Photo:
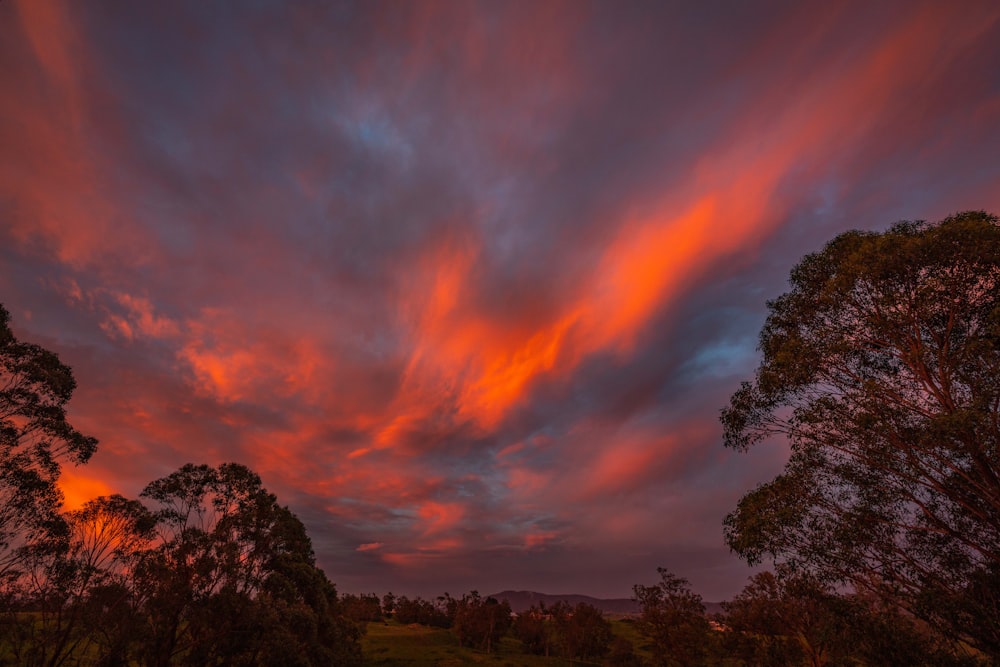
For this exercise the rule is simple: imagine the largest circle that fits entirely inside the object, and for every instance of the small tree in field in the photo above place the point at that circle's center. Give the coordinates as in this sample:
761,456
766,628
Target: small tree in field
673,618
388,604
785,621
584,633
535,629
481,622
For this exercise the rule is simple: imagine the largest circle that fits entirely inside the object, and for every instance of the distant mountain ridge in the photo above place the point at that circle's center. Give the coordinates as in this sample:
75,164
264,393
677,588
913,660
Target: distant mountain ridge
523,600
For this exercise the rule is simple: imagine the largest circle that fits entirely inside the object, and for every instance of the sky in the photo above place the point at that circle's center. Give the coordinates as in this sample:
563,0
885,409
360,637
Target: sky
466,283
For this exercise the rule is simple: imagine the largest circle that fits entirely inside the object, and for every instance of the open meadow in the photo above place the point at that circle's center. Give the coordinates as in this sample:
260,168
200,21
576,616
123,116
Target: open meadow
390,644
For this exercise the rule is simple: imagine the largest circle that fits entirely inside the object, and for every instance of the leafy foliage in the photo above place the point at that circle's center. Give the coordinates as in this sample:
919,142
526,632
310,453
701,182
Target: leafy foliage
880,366
218,574
579,632
233,578
480,622
535,628
786,620
422,611
35,438
793,618
361,609
584,633
673,618
40,581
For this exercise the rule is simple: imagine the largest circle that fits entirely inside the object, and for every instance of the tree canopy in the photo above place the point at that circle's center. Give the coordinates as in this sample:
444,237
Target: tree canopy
213,571
881,367
233,577
35,439
673,618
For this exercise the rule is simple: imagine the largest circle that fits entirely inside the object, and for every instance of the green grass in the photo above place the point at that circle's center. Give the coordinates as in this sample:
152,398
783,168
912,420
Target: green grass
395,645
624,626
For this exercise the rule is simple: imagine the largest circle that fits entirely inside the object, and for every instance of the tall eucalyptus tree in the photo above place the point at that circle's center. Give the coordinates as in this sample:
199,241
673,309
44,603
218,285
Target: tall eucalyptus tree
881,367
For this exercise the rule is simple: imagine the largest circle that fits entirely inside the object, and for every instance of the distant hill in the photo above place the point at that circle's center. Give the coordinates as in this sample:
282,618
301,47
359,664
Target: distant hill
522,600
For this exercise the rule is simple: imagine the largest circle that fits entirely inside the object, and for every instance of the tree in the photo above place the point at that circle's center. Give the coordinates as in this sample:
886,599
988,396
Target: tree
535,629
480,622
586,634
880,633
786,620
425,612
303,620
880,367
673,618
579,633
388,603
106,536
35,439
68,579
234,580
361,609
792,618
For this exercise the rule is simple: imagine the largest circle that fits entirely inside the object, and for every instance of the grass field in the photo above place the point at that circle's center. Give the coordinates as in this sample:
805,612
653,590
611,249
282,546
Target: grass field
419,646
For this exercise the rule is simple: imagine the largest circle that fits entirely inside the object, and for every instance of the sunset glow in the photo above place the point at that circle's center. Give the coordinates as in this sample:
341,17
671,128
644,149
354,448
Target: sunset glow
465,283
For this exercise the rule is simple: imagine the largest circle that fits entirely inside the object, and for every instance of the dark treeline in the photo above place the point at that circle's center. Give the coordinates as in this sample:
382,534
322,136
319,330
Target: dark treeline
205,568
778,620
208,569
787,619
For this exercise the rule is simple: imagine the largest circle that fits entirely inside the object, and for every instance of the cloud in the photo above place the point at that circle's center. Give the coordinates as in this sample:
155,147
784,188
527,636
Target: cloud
139,318
467,284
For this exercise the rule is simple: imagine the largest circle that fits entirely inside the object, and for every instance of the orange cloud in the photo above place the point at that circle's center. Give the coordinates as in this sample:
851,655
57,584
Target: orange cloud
623,463
507,371
232,359
404,560
643,268
52,170
540,538
440,517
56,47
139,319
146,321
731,203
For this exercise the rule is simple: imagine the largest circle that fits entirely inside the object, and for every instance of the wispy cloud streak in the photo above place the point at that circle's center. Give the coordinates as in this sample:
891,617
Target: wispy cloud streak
467,283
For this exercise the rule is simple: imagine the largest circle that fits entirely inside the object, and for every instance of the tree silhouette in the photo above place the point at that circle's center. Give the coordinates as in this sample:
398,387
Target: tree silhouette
39,581
673,618
234,578
35,439
880,366
481,622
